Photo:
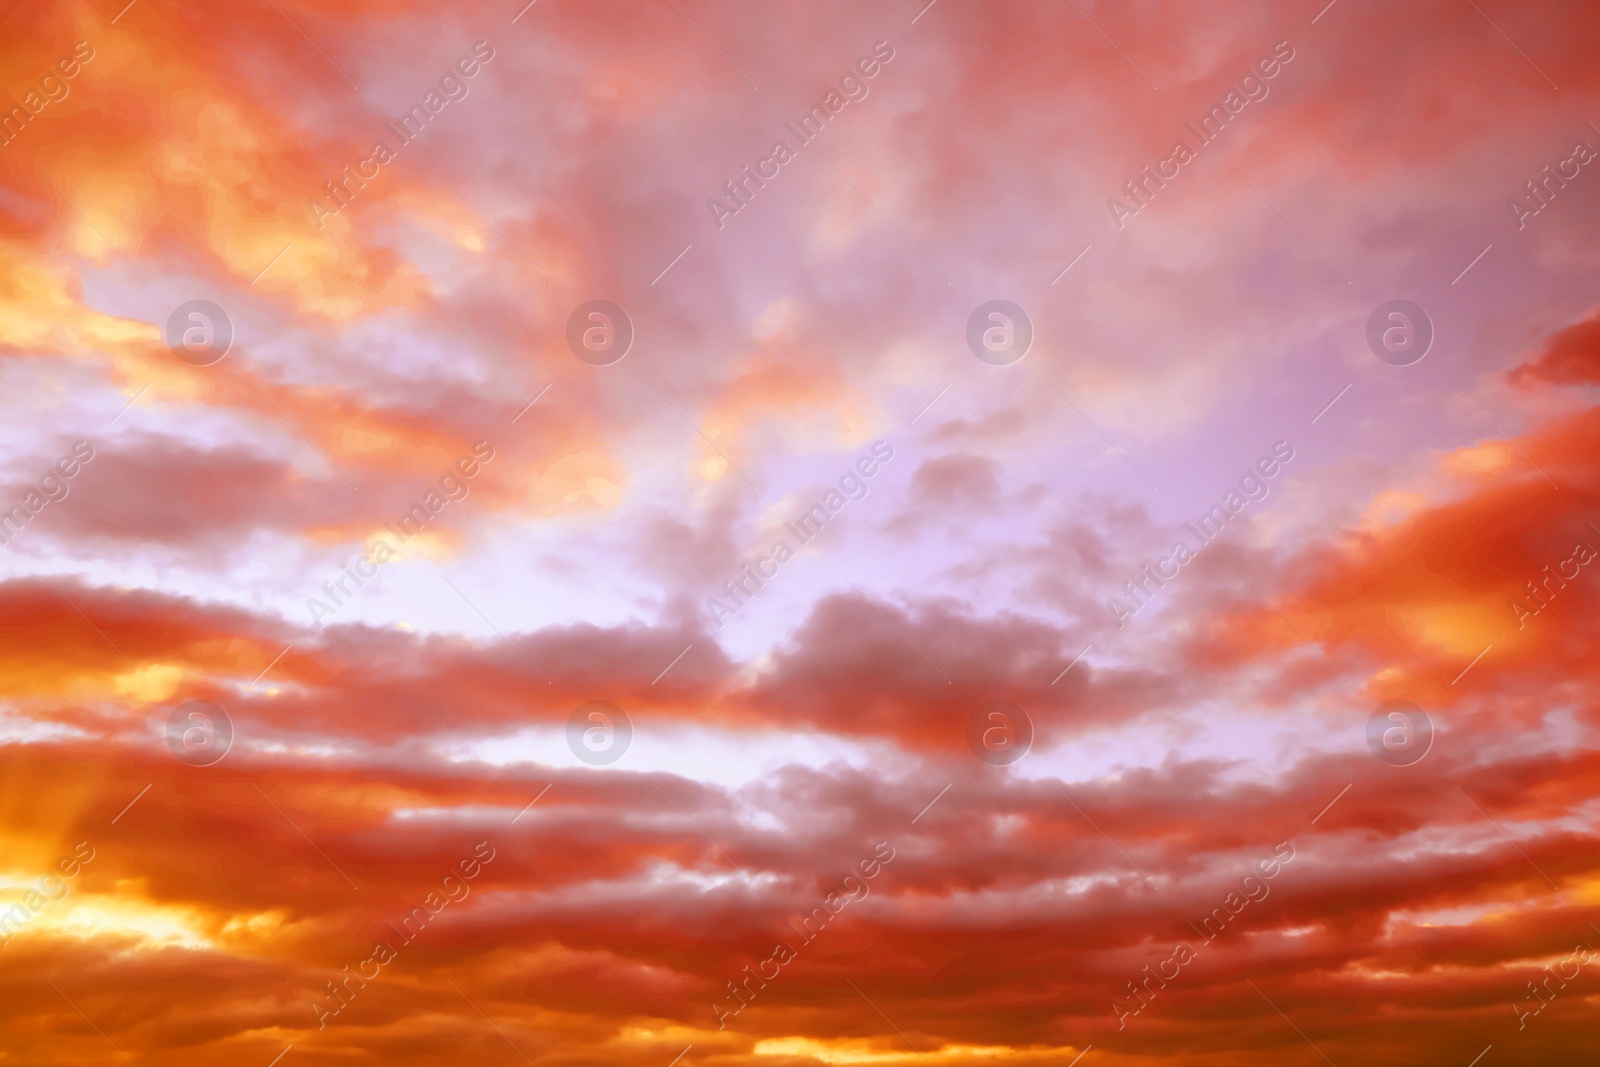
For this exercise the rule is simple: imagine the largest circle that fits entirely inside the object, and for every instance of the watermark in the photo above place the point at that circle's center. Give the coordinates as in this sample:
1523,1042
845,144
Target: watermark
1541,191
752,578
1399,733
52,489
453,86
52,89
47,890
453,486
999,733
1233,903
854,888
1253,487
852,87
1582,956
354,979
1252,890
199,332
999,332
1544,592
1252,87
599,332
199,732
1399,332
599,732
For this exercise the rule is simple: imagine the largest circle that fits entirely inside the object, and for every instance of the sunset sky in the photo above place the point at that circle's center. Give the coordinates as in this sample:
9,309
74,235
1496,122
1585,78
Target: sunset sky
646,533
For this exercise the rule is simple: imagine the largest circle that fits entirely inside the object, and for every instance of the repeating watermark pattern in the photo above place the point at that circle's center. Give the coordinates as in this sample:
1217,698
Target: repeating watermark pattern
999,733
1252,87
599,733
49,889
599,332
1542,190
453,86
752,578
1399,733
454,485
854,887
199,732
1252,890
999,332
1253,487
742,190
453,889
1545,591
199,332
52,488
52,89
1582,955
1399,332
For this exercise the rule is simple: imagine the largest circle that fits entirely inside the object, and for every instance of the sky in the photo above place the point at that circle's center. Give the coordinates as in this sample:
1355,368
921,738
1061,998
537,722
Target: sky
672,533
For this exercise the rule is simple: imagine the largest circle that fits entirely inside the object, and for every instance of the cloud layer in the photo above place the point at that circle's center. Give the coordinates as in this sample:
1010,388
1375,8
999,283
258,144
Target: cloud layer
368,690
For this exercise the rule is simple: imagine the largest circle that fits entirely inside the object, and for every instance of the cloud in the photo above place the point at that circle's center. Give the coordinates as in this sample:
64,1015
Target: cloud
429,315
